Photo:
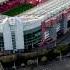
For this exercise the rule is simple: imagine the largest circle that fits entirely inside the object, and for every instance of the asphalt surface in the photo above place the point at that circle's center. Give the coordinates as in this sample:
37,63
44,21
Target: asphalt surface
56,65
53,65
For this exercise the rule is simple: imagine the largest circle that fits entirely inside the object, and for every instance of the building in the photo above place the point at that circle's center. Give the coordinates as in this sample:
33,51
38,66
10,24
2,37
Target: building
37,27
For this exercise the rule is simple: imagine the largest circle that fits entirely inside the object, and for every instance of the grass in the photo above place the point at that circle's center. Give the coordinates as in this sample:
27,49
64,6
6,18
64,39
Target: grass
19,9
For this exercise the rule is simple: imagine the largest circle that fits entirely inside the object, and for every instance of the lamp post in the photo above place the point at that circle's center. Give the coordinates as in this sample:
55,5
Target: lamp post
37,57
55,43
14,61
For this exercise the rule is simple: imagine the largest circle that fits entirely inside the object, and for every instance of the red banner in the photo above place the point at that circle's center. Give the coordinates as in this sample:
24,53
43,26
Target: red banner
48,23
53,21
43,28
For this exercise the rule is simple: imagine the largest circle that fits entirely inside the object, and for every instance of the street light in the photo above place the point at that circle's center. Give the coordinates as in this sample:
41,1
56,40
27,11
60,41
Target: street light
37,57
14,61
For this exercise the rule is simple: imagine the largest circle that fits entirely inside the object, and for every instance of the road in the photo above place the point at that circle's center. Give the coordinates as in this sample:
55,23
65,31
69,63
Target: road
53,65
56,65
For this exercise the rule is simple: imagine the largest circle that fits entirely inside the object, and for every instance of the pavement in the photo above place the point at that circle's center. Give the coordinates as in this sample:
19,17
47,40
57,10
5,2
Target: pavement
56,65
52,65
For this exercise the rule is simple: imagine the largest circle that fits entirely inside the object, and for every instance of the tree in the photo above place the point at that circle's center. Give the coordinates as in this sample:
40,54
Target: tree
60,49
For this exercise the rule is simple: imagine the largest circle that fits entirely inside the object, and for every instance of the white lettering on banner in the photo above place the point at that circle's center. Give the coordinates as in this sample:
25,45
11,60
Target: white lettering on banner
46,34
57,27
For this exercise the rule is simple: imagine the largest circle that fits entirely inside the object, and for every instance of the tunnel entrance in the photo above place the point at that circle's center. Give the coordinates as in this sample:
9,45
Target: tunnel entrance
60,33
68,24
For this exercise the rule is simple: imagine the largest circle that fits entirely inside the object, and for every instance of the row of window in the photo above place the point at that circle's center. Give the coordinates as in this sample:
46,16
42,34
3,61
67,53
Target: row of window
32,38
1,43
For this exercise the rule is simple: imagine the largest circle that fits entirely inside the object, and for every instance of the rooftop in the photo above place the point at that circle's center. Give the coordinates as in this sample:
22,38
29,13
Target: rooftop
42,11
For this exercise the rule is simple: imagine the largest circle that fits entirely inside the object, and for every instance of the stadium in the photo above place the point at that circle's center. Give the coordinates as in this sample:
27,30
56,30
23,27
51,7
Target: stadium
36,27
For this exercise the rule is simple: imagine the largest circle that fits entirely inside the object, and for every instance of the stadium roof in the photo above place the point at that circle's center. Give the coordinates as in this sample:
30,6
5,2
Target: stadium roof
47,10
44,11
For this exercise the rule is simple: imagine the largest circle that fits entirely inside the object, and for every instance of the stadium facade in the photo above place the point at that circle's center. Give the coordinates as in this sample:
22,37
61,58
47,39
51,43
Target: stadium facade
38,27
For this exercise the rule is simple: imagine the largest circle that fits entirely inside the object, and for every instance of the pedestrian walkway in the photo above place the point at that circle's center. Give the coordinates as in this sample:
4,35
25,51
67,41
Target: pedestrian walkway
55,65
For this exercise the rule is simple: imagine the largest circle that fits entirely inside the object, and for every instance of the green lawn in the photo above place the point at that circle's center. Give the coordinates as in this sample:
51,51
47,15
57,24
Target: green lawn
18,10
